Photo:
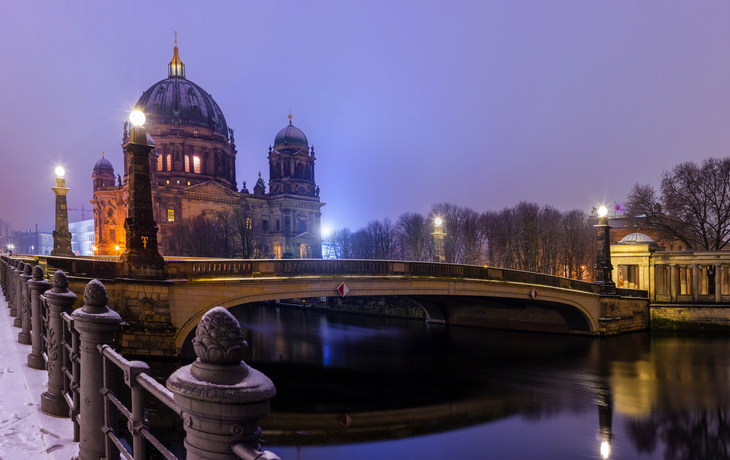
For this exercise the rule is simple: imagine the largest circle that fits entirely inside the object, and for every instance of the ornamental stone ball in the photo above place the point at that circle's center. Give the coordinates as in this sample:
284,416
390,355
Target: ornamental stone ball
218,339
59,281
28,270
37,273
20,267
95,294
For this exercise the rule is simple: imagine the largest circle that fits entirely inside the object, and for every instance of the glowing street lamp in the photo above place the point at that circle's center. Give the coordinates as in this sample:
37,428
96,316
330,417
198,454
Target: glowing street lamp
603,267
61,235
137,118
438,241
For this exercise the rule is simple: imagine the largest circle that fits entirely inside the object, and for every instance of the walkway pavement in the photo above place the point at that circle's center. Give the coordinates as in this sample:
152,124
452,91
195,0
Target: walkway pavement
25,432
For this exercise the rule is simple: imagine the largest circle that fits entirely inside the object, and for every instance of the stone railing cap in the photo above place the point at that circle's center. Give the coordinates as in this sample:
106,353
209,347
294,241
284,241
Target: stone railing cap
59,281
38,273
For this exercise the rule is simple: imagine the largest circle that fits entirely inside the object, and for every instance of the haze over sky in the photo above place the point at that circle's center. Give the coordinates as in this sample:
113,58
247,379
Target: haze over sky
408,103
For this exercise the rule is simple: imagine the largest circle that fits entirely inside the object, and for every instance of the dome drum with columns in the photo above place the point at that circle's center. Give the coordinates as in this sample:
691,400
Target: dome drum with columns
192,171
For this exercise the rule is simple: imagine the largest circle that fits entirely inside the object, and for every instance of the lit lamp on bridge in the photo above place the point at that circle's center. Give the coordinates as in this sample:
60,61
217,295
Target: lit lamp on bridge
61,235
142,258
603,266
438,241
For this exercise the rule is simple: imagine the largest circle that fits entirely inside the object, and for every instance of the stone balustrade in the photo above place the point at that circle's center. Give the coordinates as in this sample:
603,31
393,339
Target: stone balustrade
219,398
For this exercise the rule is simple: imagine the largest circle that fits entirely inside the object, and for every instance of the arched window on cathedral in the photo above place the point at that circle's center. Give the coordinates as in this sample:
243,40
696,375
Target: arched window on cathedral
169,162
187,163
196,164
170,213
159,162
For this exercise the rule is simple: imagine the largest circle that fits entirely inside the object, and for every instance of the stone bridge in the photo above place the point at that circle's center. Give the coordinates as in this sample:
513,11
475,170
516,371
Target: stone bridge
161,314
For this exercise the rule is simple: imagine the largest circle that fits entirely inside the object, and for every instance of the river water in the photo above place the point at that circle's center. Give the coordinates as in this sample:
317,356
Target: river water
360,387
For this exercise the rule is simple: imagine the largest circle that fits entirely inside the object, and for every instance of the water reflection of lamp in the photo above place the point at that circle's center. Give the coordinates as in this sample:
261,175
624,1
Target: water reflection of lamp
605,417
605,449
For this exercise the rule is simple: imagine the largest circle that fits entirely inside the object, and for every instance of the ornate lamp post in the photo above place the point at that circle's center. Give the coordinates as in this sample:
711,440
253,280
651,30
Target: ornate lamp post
142,258
61,235
438,241
603,267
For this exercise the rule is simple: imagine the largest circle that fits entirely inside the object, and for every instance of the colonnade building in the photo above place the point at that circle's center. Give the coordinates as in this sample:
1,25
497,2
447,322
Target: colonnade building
193,173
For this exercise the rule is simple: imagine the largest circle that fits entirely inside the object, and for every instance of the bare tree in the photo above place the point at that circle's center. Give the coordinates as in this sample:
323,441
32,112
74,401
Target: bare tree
695,204
414,237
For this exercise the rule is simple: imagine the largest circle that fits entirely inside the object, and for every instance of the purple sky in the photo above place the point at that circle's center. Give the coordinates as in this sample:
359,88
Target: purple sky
478,103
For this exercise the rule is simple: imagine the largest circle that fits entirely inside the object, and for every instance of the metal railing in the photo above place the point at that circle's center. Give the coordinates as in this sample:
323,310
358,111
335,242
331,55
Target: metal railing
71,370
136,377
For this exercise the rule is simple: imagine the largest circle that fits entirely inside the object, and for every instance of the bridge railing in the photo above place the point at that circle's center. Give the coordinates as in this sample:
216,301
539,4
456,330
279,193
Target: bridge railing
211,268
77,356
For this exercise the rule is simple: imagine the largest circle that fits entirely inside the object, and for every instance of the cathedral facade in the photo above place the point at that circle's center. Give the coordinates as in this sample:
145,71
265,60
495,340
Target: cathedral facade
193,173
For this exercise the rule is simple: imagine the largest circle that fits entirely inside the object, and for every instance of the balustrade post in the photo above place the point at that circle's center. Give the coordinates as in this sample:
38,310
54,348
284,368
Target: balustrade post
96,324
60,300
38,285
24,313
18,295
221,398
695,283
3,272
11,286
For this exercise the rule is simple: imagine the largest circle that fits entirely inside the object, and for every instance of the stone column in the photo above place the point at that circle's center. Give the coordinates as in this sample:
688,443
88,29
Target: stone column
60,300
438,243
718,283
673,283
221,398
24,334
695,283
38,285
142,258
96,325
61,235
603,268
17,322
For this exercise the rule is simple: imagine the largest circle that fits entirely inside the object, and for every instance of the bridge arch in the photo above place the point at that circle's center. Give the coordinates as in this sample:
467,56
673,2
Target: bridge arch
432,296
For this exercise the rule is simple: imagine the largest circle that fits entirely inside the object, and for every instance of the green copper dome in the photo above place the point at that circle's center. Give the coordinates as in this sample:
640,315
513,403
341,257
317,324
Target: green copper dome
291,135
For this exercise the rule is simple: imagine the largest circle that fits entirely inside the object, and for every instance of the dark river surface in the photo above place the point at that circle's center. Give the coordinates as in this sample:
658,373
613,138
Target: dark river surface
359,387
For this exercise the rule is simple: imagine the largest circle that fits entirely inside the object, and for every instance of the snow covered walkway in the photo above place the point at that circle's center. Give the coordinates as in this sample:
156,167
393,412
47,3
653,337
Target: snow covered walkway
26,433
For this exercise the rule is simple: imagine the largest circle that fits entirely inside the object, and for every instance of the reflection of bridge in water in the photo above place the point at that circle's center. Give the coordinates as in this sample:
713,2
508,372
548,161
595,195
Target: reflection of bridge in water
161,314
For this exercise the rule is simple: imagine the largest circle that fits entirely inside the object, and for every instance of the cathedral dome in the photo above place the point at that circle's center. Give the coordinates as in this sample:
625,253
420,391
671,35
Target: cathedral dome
103,165
291,135
177,101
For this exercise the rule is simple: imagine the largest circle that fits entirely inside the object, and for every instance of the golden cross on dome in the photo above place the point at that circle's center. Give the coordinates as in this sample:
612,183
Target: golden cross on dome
290,117
176,38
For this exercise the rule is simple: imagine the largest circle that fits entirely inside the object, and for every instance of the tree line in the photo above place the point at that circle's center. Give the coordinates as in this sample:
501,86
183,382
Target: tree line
524,237
227,234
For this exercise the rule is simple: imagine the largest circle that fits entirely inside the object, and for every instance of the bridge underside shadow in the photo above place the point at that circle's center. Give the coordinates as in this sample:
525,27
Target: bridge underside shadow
514,314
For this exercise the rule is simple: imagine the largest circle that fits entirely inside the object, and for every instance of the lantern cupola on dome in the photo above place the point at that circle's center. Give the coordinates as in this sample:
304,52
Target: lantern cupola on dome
176,68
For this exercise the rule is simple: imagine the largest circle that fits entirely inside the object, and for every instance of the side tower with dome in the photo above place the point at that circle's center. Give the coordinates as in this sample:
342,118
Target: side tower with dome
193,173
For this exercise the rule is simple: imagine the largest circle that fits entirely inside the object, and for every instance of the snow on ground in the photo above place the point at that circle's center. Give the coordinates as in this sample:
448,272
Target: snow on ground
25,432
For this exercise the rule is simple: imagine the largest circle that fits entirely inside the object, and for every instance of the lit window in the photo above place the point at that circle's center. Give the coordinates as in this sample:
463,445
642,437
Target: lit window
187,163
170,215
159,162
196,164
248,223
169,162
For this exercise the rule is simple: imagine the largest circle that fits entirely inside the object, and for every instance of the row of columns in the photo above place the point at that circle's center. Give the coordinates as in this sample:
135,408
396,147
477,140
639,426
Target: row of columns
219,399
671,278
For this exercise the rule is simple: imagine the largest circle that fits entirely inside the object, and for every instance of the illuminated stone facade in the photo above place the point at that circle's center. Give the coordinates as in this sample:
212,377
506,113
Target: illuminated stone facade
193,173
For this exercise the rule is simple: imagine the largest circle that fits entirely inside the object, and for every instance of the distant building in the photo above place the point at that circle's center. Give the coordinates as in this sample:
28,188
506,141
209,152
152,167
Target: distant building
82,237
35,243
193,173
6,235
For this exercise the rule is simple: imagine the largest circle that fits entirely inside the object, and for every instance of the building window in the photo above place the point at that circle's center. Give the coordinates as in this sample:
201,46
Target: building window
169,162
196,164
159,162
277,225
302,226
265,226
171,214
248,223
187,163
